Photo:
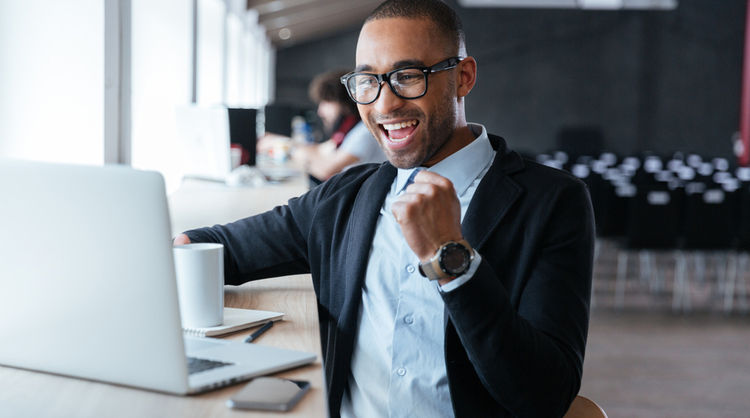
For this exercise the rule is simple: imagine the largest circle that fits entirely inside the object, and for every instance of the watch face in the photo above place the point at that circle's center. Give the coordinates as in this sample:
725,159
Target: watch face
454,259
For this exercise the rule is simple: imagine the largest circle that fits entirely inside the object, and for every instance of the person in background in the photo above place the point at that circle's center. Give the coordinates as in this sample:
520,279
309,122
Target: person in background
453,280
350,141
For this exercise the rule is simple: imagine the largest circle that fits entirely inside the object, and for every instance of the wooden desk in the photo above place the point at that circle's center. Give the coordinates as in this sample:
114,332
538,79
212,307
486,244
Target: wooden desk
200,203
39,395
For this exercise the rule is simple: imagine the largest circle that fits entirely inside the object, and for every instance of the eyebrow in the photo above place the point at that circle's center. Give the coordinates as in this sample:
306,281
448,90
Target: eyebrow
399,64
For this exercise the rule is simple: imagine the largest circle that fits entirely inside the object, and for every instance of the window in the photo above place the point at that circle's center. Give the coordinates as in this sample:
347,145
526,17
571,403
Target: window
52,80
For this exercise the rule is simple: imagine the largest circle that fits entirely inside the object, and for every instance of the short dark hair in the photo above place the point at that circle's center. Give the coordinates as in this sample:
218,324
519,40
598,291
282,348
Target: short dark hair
446,20
328,87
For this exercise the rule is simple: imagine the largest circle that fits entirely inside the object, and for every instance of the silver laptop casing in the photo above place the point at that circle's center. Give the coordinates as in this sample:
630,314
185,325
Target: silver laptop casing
87,285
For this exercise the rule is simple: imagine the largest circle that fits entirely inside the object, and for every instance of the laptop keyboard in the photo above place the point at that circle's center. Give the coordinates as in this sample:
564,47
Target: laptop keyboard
197,365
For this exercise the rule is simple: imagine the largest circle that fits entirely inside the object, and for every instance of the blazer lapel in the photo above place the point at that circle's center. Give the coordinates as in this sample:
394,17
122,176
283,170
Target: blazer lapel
492,200
361,231
495,195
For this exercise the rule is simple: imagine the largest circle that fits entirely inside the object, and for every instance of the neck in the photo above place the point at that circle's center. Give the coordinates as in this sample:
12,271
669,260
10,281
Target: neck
461,137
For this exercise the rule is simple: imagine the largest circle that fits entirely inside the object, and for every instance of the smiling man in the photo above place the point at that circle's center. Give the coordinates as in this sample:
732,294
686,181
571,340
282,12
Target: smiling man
432,125
453,280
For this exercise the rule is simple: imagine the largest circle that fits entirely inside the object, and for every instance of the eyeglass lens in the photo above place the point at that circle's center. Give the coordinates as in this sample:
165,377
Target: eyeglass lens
408,83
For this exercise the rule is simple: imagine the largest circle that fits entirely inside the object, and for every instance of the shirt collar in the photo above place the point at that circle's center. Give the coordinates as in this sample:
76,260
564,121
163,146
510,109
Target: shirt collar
461,167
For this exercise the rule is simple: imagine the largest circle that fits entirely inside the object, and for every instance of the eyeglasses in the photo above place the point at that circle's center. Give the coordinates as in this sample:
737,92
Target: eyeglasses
406,83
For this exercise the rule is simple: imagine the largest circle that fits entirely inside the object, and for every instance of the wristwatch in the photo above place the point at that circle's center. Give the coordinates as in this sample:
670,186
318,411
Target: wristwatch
451,260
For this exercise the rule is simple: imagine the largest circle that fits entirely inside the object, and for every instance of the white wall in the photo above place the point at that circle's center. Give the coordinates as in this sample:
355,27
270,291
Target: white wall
52,80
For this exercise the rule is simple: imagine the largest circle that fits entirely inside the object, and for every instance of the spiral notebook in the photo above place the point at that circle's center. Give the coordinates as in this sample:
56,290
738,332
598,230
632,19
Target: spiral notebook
235,320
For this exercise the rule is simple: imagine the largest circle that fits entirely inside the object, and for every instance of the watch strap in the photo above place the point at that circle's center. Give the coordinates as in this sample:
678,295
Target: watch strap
432,269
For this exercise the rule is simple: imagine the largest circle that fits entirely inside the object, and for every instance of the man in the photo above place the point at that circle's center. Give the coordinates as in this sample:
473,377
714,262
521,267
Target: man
350,142
509,242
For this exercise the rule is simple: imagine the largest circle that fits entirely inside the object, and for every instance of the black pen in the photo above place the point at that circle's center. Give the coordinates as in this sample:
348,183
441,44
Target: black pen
258,333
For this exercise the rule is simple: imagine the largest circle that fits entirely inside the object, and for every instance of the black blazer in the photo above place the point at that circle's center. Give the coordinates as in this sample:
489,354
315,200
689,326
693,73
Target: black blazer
515,333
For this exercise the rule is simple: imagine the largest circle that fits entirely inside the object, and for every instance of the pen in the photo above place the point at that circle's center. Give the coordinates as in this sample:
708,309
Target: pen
258,333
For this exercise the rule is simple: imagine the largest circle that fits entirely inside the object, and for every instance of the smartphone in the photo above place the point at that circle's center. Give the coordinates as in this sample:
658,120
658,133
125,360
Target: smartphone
269,394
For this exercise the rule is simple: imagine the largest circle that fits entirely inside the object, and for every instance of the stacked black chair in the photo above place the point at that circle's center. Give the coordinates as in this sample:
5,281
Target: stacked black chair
650,197
741,262
709,226
743,235
654,215
593,172
683,204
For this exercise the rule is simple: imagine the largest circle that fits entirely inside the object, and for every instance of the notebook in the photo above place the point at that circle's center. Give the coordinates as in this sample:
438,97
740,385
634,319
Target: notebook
235,320
88,287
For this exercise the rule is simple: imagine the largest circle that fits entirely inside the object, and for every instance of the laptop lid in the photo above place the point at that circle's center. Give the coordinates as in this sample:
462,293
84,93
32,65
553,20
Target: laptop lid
204,141
88,288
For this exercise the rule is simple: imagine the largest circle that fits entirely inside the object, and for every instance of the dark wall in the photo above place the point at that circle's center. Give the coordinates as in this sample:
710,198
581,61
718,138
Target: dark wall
652,80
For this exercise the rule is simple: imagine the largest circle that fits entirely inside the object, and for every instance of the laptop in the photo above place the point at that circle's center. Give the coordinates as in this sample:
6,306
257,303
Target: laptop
88,289
204,135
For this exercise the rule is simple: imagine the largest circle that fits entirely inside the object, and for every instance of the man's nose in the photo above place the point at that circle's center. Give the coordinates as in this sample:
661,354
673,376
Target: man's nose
388,101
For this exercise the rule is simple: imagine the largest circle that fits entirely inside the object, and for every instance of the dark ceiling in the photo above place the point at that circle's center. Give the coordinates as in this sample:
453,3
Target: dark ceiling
289,22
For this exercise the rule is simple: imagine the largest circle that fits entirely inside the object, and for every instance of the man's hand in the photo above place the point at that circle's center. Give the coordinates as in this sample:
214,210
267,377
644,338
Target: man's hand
181,239
429,214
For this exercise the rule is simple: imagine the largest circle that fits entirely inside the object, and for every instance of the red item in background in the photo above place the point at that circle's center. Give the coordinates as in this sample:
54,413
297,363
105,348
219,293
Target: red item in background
744,158
346,125
245,153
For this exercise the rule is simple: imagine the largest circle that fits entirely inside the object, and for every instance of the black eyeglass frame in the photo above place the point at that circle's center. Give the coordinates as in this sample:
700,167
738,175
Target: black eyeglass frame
447,64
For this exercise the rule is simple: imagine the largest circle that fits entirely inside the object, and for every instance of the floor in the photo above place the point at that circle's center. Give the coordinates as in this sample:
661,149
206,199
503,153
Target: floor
646,360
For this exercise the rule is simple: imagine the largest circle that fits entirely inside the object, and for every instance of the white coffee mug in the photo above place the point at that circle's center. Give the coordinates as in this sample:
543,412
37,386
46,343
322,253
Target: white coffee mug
200,284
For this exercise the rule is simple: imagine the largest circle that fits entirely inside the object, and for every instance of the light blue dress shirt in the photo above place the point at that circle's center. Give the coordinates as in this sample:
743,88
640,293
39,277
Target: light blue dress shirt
398,365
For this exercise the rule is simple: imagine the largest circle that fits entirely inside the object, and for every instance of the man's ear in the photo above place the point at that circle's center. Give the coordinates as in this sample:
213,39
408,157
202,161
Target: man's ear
467,76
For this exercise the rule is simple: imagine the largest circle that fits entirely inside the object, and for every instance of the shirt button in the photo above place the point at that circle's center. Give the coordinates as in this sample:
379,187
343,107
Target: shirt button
401,371
410,268
408,320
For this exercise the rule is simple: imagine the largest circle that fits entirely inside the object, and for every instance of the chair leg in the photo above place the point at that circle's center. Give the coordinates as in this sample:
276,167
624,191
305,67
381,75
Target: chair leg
679,282
741,286
597,254
657,284
720,259
679,277
686,294
597,249
622,270
729,284
700,267
645,266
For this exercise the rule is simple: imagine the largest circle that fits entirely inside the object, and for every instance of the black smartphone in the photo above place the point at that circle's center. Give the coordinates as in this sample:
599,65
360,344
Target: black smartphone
269,394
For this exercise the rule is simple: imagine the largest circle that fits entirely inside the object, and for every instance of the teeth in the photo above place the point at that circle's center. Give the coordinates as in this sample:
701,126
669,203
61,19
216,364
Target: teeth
392,126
